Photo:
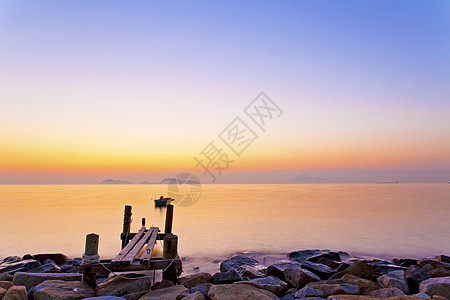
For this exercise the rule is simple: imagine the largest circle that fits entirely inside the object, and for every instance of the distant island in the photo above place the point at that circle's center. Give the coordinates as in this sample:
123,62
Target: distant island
112,181
307,179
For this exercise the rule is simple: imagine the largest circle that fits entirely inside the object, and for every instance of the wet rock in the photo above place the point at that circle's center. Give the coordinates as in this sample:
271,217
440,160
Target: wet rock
328,255
287,297
277,268
387,292
6,284
271,284
298,278
308,292
342,266
249,272
427,268
226,277
6,277
2,292
33,279
303,255
49,266
58,258
60,290
239,291
162,284
16,293
434,263
169,293
202,288
414,276
194,280
27,256
237,261
423,295
18,266
439,272
328,262
394,279
70,269
11,259
332,287
322,271
358,268
194,296
443,258
439,286
119,286
405,262
364,285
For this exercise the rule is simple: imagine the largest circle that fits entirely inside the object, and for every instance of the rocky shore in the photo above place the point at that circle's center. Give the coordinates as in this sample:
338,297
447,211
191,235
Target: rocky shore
304,274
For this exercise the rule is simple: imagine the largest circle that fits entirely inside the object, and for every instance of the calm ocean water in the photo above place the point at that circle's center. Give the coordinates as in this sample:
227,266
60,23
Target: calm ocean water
408,220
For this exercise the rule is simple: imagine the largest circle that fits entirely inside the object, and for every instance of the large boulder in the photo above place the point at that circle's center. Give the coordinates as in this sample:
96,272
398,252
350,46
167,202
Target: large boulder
30,280
364,285
358,268
6,284
323,271
271,284
18,266
387,292
58,258
119,286
194,280
439,272
434,263
169,293
332,287
2,292
230,276
16,293
308,292
329,255
239,291
62,290
238,260
277,268
405,262
331,263
414,276
439,286
249,272
303,255
395,279
298,278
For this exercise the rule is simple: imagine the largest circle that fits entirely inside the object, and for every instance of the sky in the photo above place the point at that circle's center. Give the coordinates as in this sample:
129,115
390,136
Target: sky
91,90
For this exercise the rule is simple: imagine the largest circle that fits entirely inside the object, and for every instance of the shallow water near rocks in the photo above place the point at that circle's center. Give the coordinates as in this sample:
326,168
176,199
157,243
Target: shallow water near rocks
393,220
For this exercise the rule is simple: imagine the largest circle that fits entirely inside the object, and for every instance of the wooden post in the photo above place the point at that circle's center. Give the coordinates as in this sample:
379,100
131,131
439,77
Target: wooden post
169,218
126,225
170,251
90,255
143,222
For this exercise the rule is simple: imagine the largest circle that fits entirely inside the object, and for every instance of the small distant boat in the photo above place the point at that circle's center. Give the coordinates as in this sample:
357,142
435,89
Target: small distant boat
162,202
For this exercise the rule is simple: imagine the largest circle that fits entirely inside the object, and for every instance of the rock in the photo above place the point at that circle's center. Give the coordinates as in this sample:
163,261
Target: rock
342,267
119,286
439,297
16,293
202,288
434,263
308,292
439,272
405,262
414,276
194,296
439,286
323,271
27,256
226,277
427,268
332,287
61,290
287,297
249,272
32,279
239,291
443,258
387,292
360,297
58,258
70,269
18,266
11,259
271,284
277,268
169,293
364,285
358,268
6,284
105,298
194,280
134,296
237,261
328,262
394,279
311,298
2,292
328,255
303,255
299,278
423,295
162,284
6,277
384,267
49,266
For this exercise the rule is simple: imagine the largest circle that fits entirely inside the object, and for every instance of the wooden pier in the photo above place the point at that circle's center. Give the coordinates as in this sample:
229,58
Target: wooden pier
132,244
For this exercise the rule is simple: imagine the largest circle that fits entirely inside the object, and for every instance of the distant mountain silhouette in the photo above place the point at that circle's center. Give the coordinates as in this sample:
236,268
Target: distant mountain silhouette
112,181
170,180
308,179
146,182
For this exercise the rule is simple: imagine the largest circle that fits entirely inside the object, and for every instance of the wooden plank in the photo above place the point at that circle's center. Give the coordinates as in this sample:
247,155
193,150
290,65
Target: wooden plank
151,243
132,234
128,247
129,258
154,264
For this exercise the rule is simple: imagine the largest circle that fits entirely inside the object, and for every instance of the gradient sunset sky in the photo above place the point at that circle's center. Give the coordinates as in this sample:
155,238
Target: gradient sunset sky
91,90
